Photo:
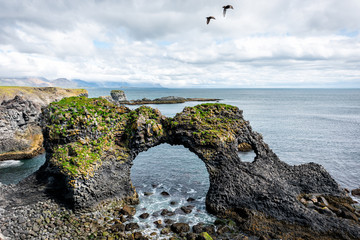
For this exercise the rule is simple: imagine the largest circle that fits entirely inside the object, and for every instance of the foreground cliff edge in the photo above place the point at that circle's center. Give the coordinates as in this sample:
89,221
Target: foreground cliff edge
20,108
92,143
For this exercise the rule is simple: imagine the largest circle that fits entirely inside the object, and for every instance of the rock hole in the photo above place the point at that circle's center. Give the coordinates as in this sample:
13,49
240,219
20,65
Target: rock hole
180,173
247,156
245,152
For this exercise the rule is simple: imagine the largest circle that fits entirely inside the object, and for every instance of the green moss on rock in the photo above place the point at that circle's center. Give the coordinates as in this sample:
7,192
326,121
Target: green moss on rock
84,131
212,123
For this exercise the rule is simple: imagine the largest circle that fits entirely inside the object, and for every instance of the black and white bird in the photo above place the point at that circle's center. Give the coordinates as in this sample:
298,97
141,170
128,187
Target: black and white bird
226,8
209,18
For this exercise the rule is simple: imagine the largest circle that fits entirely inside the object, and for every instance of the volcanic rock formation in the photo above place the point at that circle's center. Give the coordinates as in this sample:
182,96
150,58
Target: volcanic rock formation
91,145
118,95
20,131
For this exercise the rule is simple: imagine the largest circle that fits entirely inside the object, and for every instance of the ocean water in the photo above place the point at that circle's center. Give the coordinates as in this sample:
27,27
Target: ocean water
300,125
12,171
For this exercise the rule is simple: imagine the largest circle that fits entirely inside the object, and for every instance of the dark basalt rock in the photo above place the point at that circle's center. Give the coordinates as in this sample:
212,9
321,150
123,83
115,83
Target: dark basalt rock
144,216
166,212
131,226
90,152
20,113
168,100
118,95
180,227
20,134
356,192
187,209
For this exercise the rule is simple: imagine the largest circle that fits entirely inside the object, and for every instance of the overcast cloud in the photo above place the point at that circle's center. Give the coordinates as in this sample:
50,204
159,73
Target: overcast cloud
261,43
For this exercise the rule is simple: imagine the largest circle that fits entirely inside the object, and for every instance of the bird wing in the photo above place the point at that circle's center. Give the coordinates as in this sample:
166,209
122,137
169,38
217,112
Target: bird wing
224,12
207,20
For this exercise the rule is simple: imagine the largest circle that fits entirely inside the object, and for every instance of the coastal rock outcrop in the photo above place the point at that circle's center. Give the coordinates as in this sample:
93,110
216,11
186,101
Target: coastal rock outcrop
42,96
20,135
20,109
92,143
169,100
118,95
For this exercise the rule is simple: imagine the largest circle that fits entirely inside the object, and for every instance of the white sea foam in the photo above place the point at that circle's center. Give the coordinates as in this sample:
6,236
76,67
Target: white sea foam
191,191
10,163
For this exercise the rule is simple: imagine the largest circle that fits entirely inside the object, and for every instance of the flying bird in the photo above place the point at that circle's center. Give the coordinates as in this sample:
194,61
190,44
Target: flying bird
226,8
209,18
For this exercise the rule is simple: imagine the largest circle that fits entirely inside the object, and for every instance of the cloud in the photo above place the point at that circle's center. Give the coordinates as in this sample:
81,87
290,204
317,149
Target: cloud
258,44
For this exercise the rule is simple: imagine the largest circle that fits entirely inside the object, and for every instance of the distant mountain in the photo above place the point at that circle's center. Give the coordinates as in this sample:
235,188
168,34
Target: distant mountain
25,81
82,83
64,83
74,83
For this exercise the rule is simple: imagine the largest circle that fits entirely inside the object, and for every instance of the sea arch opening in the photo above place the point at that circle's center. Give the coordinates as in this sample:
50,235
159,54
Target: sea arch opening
173,178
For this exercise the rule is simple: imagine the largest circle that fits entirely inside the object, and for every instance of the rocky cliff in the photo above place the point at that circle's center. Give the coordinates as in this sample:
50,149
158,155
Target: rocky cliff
20,131
42,96
92,143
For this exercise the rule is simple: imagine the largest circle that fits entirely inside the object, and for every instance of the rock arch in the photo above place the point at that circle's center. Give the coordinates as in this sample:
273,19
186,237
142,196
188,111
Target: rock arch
91,144
173,169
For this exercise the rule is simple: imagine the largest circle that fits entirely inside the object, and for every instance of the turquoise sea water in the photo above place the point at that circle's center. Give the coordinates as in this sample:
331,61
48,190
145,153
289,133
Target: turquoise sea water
300,125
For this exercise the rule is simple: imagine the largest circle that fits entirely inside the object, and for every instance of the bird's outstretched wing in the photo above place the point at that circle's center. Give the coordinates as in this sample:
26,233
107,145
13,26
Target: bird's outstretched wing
209,18
227,7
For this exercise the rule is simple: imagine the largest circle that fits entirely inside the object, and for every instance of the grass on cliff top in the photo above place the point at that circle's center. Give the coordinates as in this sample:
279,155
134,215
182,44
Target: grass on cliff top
95,118
9,92
211,123
12,89
94,115
101,120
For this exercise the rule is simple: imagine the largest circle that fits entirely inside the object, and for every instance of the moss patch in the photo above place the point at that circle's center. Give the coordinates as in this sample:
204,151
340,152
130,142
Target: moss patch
212,123
84,131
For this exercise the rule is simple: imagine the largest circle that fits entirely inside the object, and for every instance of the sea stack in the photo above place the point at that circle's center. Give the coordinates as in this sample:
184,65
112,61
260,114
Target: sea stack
118,95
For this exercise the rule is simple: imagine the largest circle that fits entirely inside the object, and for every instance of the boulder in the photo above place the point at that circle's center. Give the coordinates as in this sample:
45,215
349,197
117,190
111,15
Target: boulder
127,210
356,192
144,216
180,227
187,209
131,226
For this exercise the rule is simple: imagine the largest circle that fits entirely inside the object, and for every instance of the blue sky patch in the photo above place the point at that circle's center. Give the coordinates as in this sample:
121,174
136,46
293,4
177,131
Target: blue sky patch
102,45
348,33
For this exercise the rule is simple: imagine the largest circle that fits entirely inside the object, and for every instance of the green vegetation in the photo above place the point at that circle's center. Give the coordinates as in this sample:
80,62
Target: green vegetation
84,131
86,128
212,122
78,159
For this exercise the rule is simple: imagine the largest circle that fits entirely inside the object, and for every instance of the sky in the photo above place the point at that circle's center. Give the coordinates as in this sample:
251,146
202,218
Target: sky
259,43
